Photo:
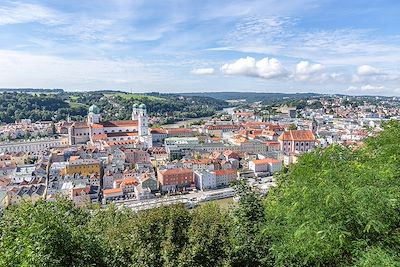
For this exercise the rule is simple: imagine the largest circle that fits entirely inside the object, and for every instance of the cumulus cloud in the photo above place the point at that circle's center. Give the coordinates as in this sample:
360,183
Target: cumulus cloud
267,68
367,74
203,71
367,88
307,71
367,70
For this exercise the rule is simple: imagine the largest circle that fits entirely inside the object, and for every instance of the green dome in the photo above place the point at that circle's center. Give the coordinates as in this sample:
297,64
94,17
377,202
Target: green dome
142,106
136,105
94,109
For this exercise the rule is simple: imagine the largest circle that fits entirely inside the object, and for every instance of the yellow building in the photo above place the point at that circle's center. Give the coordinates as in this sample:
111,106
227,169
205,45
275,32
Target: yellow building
82,166
20,158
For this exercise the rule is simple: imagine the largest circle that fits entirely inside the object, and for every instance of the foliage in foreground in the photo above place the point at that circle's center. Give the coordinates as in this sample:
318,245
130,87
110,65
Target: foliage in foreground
59,234
339,207
336,207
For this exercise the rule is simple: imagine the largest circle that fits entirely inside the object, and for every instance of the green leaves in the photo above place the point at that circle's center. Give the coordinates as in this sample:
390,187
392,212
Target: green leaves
47,234
335,203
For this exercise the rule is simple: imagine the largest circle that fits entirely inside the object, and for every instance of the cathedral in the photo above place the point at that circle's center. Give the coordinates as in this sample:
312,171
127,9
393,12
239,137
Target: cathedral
96,130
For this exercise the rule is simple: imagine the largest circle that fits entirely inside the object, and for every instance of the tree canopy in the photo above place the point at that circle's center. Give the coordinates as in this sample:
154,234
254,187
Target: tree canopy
339,206
113,105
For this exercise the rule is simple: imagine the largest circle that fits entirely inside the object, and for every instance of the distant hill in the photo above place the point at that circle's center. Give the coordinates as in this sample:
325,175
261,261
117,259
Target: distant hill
31,90
115,105
253,96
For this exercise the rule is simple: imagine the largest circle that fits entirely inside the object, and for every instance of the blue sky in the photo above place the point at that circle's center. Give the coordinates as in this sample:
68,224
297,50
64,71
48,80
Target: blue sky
350,47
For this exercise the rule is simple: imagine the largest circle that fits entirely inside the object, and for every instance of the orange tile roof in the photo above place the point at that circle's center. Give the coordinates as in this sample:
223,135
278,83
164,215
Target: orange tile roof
97,126
222,127
158,131
254,124
72,158
129,181
268,133
99,137
179,130
80,191
112,191
80,124
275,127
122,142
176,171
225,172
297,135
265,161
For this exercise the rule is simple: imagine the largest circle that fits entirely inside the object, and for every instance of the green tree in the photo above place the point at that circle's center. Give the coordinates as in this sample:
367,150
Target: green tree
292,127
338,207
249,248
208,243
47,234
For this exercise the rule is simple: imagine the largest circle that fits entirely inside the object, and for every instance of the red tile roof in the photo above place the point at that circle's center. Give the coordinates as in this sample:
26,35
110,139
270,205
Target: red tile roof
99,137
123,142
297,135
179,130
176,171
222,127
80,124
158,131
112,191
225,172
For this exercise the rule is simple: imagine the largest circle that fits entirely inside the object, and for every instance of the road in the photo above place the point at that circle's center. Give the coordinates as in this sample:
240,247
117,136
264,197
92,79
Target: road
191,199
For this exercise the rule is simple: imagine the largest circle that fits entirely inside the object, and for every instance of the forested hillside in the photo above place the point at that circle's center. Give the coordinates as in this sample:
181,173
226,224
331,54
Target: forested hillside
114,105
335,207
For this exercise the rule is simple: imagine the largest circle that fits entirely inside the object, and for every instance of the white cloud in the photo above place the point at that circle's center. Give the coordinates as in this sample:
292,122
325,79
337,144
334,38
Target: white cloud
367,88
203,71
15,13
20,69
304,67
367,70
267,68
368,74
275,35
307,71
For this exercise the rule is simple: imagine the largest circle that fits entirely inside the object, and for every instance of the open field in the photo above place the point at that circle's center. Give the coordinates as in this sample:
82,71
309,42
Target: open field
138,97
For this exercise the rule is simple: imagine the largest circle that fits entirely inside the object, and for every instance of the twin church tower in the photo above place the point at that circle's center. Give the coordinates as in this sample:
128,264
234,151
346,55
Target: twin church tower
121,132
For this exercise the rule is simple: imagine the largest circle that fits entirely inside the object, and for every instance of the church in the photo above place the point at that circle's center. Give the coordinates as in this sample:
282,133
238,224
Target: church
96,130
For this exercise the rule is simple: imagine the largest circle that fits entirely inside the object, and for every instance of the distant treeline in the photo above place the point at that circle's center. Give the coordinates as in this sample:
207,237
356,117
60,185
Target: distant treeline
266,98
15,106
31,90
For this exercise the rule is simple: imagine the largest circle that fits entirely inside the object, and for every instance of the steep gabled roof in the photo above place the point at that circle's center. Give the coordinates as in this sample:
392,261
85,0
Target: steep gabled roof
297,135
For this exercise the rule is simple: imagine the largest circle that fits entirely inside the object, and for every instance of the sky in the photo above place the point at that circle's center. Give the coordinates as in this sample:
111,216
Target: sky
323,46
